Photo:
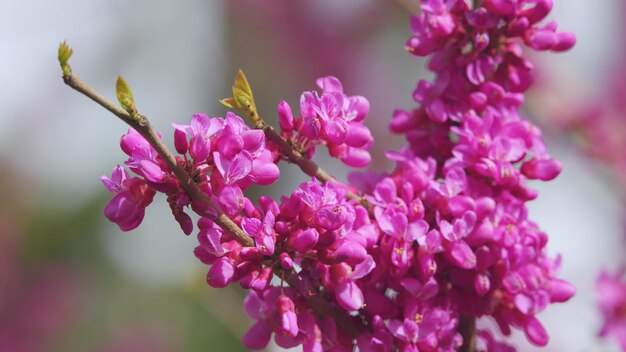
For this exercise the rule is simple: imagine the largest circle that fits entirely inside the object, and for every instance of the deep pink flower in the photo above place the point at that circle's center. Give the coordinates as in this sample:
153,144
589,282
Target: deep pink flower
200,130
132,196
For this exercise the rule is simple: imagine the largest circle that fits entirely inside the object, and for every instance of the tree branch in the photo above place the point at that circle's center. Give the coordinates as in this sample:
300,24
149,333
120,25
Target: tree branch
142,125
467,329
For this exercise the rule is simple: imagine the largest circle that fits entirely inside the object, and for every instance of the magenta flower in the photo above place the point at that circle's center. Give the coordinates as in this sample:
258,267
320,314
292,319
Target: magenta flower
347,292
333,119
132,196
200,130
262,232
398,257
288,321
611,288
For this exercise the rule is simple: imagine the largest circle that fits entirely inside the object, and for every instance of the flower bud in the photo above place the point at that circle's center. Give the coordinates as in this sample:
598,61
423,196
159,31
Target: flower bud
221,273
285,117
288,321
180,142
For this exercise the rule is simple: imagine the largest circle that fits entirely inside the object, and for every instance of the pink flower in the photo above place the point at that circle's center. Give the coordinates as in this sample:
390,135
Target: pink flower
611,289
200,130
262,232
132,196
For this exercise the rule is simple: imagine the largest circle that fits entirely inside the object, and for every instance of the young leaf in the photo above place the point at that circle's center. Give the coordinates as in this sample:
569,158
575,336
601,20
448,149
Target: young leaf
125,96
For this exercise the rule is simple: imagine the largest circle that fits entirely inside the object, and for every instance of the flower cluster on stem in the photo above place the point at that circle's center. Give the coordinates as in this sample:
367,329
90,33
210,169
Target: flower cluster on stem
442,239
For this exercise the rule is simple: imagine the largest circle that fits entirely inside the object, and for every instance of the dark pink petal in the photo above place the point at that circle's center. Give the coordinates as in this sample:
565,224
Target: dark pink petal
538,12
541,39
347,251
285,117
418,290
180,142
349,295
561,290
336,130
221,273
231,199
363,268
185,222
501,7
305,240
253,227
210,239
524,304
360,105
437,111
544,170
416,231
564,41
199,124
536,333
199,148
288,322
235,169
133,140
358,135
402,121
331,217
151,171
356,157
258,336
116,182
124,211
285,261
462,255
229,144
329,84
253,141
264,172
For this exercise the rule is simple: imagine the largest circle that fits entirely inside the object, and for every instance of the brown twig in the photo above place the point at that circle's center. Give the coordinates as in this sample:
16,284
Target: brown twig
467,329
142,125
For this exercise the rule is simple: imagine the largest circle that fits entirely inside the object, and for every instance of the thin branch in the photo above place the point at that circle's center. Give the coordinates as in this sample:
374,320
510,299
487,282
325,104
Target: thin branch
142,125
467,329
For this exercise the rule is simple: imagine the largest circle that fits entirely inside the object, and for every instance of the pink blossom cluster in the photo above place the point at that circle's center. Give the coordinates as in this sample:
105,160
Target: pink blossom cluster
441,239
611,288
333,119
222,155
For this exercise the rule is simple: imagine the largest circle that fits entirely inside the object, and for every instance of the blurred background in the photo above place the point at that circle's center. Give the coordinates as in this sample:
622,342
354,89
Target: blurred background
72,281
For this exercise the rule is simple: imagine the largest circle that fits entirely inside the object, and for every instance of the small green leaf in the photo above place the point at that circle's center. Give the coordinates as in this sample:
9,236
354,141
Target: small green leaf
125,96
242,99
229,103
242,90
65,52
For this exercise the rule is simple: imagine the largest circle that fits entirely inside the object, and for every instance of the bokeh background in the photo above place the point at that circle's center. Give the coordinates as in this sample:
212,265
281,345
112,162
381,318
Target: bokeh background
71,281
